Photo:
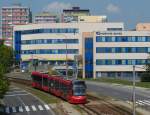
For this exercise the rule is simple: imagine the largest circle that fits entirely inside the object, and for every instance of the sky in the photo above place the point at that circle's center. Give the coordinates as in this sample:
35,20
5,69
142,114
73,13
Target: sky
130,12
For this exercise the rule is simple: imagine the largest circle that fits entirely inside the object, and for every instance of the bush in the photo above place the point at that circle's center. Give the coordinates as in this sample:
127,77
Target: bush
145,77
4,84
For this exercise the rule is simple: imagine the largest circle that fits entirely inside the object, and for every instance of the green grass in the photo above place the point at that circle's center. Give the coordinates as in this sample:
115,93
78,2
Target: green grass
120,81
46,97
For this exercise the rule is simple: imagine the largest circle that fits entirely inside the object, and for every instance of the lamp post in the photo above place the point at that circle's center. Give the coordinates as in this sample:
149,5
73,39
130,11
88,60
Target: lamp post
133,90
66,59
133,93
65,41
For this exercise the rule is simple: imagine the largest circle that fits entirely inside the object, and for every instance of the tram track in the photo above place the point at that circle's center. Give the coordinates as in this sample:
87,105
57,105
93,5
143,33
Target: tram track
99,106
94,106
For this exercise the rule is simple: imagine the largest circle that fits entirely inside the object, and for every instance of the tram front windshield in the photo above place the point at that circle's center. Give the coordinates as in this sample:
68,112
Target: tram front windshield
79,88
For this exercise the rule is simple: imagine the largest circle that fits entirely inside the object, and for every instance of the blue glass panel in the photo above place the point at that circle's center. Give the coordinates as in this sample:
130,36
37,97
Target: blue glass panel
50,41
55,30
88,57
122,38
17,45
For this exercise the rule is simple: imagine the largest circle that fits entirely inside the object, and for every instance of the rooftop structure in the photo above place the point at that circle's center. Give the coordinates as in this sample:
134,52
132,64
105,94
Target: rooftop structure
71,15
94,19
143,27
45,17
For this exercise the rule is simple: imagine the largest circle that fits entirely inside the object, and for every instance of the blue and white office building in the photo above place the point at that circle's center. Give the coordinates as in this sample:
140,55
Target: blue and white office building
107,49
113,53
49,42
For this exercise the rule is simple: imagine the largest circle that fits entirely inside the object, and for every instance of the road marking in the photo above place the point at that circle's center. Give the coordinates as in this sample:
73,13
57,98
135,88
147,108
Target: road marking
16,92
139,103
14,109
47,107
27,108
33,108
15,95
40,107
129,102
14,88
7,110
146,102
20,109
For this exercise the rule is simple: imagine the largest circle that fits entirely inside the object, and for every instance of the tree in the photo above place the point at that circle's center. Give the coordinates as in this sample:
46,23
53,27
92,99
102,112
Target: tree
3,82
146,75
6,56
6,61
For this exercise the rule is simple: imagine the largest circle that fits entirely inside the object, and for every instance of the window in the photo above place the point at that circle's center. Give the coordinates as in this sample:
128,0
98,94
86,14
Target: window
98,39
114,29
121,62
122,39
118,62
50,51
108,62
141,50
108,39
45,81
100,62
55,30
122,49
50,41
148,38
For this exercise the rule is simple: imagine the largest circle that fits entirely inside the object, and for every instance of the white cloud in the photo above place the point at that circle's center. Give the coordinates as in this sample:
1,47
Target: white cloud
57,6
112,8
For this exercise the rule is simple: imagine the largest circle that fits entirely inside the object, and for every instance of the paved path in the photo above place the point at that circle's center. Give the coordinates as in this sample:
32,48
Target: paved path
20,102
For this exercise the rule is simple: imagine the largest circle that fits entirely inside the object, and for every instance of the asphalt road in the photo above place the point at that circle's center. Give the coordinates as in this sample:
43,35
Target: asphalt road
20,102
121,92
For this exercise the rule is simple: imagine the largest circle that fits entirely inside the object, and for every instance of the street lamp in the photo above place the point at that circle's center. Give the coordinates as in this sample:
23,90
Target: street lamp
134,99
134,90
66,59
66,54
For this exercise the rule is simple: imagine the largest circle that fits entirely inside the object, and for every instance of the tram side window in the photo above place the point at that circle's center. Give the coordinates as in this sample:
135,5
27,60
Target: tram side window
65,88
45,81
57,84
60,86
37,79
33,78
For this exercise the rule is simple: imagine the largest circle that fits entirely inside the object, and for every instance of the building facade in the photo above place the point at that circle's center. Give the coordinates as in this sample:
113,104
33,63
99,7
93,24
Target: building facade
50,42
92,19
45,17
143,27
13,15
71,15
113,53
